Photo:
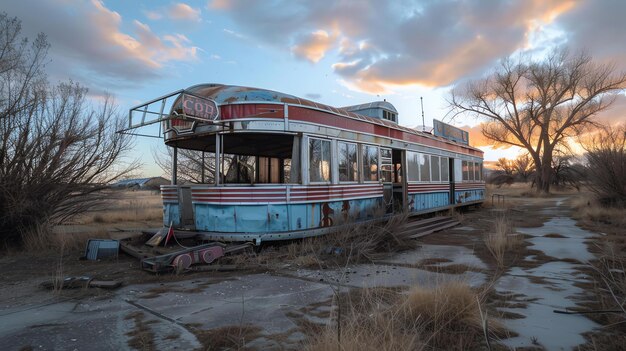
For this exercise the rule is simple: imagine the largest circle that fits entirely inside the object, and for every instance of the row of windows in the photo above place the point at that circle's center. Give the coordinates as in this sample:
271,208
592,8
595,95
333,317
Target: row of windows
420,167
426,168
472,170
320,164
389,116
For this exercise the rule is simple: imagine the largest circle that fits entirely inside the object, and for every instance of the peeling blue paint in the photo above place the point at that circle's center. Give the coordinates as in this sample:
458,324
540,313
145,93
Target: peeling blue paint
283,217
463,196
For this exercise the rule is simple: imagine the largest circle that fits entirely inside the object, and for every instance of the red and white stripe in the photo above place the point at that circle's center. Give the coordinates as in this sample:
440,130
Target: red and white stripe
284,194
469,186
169,193
427,187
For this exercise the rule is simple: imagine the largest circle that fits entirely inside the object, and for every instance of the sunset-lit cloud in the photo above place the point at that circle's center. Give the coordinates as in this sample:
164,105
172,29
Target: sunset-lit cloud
183,12
94,47
427,43
313,46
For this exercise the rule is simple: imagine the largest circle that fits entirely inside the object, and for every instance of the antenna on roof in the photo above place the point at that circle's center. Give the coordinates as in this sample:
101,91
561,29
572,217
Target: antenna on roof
423,123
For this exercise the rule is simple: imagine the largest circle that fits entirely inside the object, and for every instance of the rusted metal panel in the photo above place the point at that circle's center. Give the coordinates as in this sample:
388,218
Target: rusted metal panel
278,218
101,248
250,219
171,214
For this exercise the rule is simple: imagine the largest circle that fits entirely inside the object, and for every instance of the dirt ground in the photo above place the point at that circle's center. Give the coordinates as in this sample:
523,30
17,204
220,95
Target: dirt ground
142,315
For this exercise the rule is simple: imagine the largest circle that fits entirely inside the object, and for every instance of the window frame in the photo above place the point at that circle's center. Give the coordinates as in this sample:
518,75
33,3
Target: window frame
444,165
432,169
426,159
362,163
330,160
356,161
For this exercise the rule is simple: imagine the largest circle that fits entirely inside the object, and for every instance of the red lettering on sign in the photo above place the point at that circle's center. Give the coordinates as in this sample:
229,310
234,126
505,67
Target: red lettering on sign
199,108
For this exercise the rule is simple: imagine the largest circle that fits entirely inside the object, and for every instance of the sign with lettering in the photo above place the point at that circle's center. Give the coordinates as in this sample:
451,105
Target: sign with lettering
450,132
199,108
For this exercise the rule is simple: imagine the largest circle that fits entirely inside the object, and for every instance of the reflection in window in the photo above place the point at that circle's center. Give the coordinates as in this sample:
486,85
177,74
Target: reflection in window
370,163
444,169
239,168
386,166
434,163
347,162
319,160
470,170
478,170
465,174
412,164
424,162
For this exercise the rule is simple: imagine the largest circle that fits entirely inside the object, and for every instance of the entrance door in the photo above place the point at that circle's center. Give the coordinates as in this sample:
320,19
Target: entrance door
399,180
386,174
451,176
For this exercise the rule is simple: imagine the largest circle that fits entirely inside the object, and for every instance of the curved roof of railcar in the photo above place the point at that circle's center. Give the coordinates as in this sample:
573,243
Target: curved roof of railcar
233,94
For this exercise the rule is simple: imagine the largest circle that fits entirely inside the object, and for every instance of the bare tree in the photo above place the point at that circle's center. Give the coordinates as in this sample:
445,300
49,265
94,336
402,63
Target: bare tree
56,151
606,158
538,105
523,167
189,165
504,166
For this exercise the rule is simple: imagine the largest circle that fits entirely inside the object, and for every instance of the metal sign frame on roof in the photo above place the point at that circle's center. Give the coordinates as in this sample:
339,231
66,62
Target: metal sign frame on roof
152,112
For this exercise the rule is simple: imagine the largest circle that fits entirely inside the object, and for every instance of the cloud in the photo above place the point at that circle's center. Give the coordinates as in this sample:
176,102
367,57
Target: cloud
313,46
89,45
313,96
183,12
379,45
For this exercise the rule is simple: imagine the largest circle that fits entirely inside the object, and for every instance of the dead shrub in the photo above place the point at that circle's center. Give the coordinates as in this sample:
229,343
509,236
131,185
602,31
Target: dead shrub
588,208
444,317
362,242
606,158
501,240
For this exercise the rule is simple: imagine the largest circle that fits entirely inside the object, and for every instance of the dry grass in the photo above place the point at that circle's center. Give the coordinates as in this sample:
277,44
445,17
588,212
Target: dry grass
352,244
501,239
43,239
141,336
445,317
589,210
128,206
226,338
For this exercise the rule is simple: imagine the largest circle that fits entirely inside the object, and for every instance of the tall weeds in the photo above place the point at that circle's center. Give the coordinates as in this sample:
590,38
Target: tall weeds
501,240
445,317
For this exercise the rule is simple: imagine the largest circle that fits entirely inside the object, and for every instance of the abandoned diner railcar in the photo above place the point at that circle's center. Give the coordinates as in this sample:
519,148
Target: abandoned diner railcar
278,167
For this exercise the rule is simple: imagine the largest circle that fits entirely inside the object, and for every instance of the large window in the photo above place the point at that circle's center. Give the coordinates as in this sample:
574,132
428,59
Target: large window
445,176
319,160
478,170
424,162
347,162
370,163
465,170
435,169
412,165
471,170
386,165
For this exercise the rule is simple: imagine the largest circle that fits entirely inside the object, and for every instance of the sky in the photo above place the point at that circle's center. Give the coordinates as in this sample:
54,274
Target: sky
339,53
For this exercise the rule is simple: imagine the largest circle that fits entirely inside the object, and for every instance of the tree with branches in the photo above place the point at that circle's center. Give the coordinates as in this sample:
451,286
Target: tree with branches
606,164
539,105
57,152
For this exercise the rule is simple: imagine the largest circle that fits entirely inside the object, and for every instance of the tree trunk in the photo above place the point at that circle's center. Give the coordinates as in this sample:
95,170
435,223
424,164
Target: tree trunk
544,172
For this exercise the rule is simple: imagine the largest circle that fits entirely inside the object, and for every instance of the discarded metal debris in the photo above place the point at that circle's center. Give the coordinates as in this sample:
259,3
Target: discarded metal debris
101,248
156,260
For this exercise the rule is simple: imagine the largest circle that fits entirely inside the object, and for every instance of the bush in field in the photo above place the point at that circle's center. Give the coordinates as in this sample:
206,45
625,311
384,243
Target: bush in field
56,151
606,159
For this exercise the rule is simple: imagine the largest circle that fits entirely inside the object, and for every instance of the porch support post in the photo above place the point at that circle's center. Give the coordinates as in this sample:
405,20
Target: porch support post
175,166
218,159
